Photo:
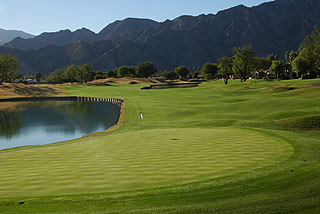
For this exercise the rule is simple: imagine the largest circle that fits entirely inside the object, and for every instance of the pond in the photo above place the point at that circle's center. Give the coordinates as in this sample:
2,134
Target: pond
44,122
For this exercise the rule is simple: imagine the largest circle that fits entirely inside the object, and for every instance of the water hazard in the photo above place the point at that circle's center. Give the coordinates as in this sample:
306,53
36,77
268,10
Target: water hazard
43,122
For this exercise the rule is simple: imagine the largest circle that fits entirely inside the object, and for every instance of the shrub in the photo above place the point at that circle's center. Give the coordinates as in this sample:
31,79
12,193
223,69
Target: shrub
111,73
146,69
182,71
98,76
171,75
209,71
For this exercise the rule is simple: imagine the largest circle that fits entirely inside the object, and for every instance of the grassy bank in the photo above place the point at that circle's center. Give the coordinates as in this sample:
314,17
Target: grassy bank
9,90
210,149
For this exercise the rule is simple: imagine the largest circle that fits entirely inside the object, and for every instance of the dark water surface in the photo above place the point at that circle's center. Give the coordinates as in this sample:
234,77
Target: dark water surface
43,122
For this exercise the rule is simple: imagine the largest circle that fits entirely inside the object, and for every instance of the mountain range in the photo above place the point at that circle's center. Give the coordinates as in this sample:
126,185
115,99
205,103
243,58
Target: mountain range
8,35
272,27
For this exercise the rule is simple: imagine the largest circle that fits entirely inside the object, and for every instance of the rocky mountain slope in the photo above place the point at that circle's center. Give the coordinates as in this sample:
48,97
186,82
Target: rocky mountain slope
61,38
272,27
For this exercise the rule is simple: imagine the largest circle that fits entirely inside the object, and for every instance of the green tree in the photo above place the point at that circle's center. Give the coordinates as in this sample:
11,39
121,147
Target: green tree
111,73
182,71
195,75
290,56
124,71
98,75
308,60
304,64
171,75
277,68
225,68
243,62
312,43
39,76
9,67
71,73
273,57
132,71
146,69
209,71
80,74
85,73
58,76
261,65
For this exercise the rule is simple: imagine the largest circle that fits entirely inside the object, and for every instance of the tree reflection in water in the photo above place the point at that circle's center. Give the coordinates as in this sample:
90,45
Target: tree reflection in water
77,109
10,124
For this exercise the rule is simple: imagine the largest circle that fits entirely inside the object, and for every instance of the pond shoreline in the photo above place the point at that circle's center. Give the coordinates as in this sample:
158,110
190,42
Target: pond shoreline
118,101
72,98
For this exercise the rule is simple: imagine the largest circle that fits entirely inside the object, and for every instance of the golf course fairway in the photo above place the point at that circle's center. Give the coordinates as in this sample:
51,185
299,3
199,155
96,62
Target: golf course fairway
210,149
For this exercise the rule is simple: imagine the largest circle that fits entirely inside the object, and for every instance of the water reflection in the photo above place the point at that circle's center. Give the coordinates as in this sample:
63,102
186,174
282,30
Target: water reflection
42,122
10,124
76,109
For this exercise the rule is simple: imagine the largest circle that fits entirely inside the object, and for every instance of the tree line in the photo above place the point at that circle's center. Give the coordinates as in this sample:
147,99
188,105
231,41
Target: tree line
244,64
305,64
143,70
85,73
73,73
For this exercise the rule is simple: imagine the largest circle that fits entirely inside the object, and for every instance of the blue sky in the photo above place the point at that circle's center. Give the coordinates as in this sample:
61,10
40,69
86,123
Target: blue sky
37,16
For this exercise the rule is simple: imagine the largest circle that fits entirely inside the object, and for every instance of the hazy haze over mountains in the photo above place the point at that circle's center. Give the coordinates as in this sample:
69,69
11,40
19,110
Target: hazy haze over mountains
8,35
272,27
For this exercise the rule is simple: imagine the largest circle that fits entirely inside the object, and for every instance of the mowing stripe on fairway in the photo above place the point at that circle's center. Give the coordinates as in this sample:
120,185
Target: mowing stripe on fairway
136,160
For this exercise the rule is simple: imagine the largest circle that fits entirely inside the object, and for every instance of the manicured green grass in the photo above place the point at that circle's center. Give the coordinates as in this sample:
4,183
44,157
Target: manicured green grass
211,149
311,123
136,160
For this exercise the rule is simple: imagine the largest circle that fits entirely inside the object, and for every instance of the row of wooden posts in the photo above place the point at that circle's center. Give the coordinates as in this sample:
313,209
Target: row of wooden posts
109,100
118,101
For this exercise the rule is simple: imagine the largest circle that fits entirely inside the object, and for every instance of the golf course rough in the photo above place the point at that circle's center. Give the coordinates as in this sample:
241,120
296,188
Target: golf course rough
137,160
